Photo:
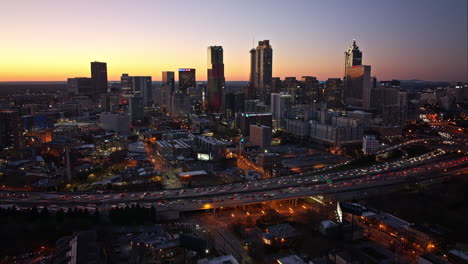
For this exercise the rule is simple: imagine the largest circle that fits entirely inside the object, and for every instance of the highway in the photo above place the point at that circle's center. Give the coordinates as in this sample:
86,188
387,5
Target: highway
294,186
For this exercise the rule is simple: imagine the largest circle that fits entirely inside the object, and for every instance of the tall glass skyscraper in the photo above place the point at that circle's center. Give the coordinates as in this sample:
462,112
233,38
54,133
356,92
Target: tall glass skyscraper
261,70
215,91
98,79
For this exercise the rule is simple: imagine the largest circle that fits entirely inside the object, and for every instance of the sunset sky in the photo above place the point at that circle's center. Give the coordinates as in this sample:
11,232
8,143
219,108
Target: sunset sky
50,40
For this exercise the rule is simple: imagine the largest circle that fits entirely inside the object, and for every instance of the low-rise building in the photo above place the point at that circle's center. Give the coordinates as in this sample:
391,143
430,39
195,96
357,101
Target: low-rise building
268,161
370,144
77,249
214,148
278,233
118,122
429,258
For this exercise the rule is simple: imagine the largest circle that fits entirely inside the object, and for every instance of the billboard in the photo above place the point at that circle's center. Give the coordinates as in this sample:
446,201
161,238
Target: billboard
203,156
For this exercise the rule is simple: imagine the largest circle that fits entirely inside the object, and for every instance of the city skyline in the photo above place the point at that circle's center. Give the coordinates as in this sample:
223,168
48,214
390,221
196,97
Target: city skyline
400,41
241,132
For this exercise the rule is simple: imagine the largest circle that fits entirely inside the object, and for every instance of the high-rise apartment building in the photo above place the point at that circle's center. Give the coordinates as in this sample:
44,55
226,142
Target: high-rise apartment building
216,81
98,79
261,72
280,108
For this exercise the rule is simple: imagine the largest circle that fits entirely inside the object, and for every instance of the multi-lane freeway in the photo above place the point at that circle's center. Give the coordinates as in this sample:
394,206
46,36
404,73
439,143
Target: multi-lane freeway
299,185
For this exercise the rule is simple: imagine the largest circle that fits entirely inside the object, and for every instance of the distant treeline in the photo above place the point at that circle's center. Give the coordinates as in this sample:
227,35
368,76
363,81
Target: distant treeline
7,88
25,230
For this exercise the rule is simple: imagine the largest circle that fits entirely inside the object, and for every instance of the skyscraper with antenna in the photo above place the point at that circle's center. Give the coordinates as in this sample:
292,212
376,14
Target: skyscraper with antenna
353,56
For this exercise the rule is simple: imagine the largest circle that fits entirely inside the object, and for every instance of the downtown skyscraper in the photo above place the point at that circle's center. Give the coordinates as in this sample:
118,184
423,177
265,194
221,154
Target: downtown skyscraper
215,89
168,79
126,83
261,70
357,79
167,89
357,87
353,56
186,79
142,86
98,79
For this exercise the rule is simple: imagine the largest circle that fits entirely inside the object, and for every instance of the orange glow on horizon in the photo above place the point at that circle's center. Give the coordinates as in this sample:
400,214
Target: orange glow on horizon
11,72
56,63
52,40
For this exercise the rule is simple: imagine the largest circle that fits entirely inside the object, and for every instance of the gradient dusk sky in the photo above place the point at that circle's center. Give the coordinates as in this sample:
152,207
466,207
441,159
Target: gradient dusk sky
50,40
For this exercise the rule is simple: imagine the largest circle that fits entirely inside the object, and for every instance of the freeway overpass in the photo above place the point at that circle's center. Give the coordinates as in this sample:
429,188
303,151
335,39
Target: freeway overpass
424,167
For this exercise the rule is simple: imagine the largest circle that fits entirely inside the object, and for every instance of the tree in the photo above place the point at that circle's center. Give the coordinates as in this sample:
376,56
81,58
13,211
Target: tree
45,213
412,183
60,215
96,216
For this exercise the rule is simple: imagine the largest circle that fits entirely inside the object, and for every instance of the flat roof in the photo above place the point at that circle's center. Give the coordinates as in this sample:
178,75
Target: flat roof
228,259
292,259
192,173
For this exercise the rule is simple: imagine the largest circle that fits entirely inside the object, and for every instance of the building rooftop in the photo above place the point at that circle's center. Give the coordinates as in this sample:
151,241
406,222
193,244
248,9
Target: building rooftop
391,220
192,173
459,253
280,231
369,137
433,258
292,259
327,224
228,259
